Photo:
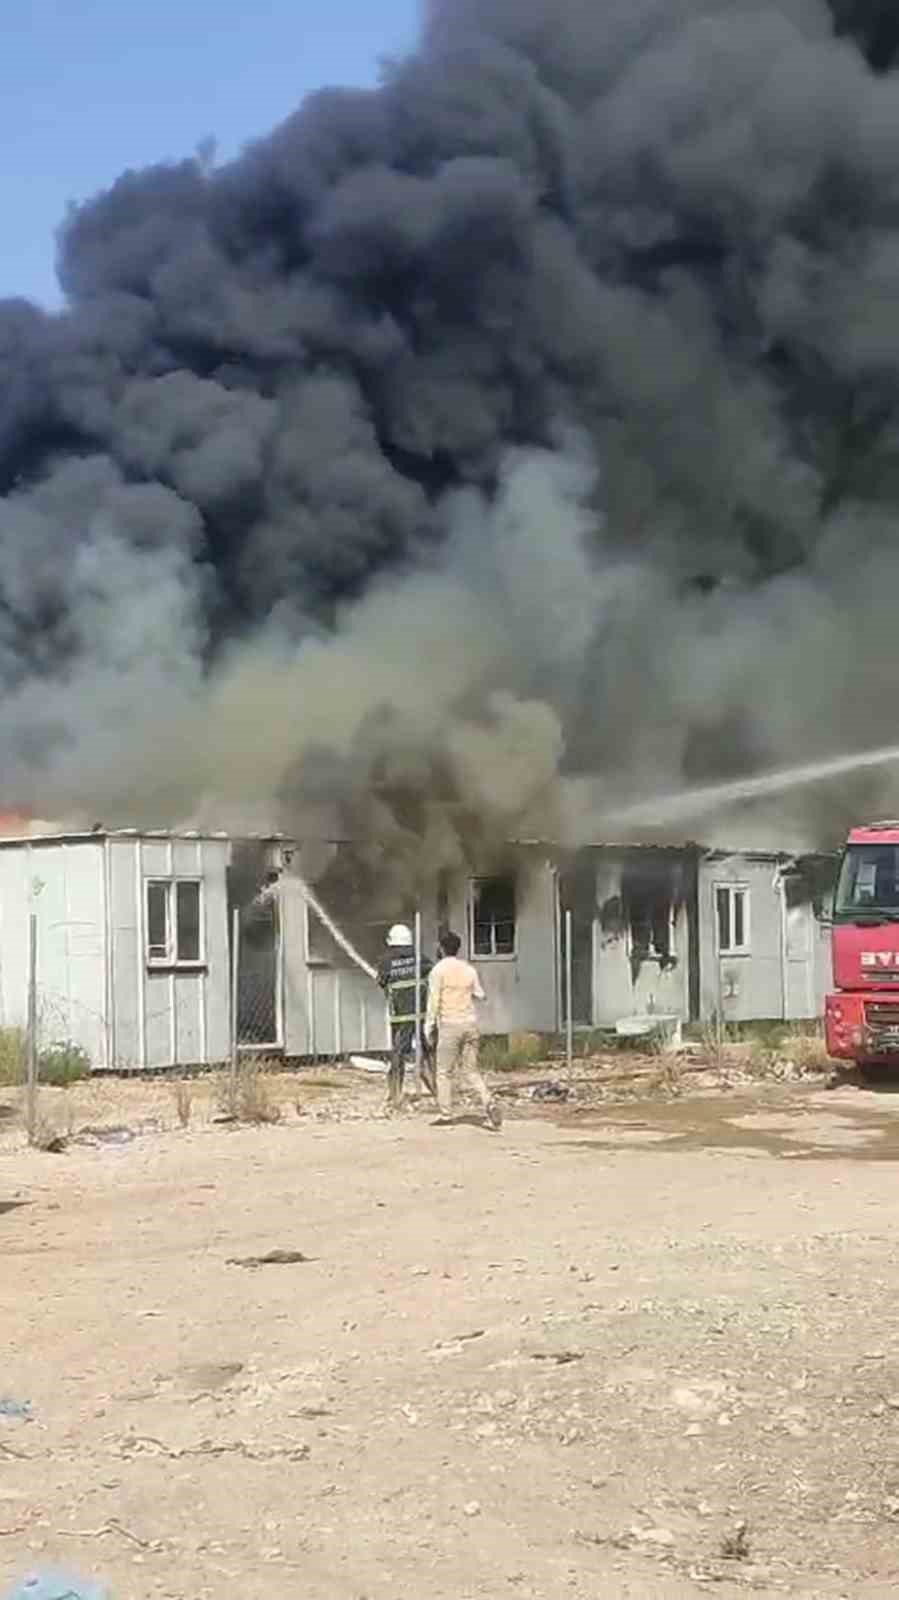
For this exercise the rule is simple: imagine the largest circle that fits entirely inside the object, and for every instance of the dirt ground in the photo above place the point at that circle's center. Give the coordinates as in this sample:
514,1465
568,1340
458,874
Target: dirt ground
643,1348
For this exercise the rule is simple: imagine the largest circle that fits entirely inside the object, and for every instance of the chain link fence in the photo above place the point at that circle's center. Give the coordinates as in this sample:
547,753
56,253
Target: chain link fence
24,1051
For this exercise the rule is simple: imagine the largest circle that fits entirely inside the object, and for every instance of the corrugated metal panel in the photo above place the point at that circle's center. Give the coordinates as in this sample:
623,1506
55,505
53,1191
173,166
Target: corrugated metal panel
750,986
63,887
14,912
322,1005
188,860
125,937
216,990
169,1016
521,989
329,1010
83,934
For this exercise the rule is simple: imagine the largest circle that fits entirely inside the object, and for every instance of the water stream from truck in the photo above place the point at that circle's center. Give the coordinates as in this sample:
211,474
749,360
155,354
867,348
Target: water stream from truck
687,804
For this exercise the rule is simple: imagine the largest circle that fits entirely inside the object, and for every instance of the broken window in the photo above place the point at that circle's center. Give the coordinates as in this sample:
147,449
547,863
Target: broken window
493,924
811,880
648,893
173,921
732,915
650,924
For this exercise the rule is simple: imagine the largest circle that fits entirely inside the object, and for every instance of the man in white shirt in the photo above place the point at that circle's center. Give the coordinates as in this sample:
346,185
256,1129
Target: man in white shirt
453,989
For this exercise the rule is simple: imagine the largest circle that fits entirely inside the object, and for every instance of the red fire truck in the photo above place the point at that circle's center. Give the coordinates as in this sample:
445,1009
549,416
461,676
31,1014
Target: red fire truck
861,1016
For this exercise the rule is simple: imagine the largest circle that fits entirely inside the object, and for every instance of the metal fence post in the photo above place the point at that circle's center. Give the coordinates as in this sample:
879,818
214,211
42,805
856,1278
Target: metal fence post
417,1002
569,1023
235,1015
31,1060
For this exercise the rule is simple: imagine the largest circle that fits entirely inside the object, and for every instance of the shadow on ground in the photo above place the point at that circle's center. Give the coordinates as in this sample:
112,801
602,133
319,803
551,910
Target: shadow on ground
804,1126
469,1119
878,1080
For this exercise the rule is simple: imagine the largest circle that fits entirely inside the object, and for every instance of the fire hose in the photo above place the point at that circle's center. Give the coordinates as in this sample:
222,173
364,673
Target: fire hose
340,939
313,901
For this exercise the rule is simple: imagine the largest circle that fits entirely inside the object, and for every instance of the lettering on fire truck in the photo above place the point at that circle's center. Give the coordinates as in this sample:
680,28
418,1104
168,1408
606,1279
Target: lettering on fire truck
880,958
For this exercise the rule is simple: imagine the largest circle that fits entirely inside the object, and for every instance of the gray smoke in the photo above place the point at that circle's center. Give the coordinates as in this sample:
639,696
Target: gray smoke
531,419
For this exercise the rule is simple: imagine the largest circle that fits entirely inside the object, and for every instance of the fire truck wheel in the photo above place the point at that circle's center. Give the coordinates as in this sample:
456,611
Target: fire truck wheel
873,1071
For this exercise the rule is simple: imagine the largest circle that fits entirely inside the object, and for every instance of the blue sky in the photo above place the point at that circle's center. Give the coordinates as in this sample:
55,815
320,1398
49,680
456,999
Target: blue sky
90,87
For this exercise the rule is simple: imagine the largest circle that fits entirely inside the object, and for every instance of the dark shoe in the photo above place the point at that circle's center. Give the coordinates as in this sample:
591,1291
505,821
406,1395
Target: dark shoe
494,1116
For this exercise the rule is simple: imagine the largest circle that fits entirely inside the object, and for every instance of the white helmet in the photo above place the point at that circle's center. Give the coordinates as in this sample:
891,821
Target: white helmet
399,935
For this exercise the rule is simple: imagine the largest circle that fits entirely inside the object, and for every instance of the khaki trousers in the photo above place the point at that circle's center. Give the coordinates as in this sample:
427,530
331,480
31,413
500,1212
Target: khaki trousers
457,1054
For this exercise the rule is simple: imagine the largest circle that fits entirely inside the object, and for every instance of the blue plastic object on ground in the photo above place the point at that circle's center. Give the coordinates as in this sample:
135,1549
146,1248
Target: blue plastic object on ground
15,1408
55,1586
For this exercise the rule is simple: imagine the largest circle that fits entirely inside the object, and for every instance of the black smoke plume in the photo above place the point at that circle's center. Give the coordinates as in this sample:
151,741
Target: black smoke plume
530,418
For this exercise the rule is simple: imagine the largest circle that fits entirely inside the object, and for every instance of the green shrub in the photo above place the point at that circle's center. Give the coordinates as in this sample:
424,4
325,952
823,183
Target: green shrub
63,1063
511,1053
12,1055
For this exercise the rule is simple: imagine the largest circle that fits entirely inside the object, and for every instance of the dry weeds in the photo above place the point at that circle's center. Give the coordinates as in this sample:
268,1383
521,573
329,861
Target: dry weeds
735,1545
257,1104
669,1079
47,1137
184,1102
806,1049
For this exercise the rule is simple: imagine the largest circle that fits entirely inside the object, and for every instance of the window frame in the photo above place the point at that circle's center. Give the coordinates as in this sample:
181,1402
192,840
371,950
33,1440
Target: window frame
845,906
731,950
171,960
493,954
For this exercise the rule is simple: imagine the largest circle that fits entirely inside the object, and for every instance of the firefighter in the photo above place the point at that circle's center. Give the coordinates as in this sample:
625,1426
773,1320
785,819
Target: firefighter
396,976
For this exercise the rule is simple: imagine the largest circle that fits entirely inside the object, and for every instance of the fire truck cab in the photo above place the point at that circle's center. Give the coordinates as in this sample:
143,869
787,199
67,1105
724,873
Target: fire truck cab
861,1015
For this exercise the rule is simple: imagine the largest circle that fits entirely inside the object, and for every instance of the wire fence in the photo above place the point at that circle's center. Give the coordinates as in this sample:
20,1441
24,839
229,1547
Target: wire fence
63,1038
50,1039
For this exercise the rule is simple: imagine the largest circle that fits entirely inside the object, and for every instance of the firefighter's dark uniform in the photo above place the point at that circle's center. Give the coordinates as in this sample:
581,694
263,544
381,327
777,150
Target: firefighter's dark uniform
396,975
